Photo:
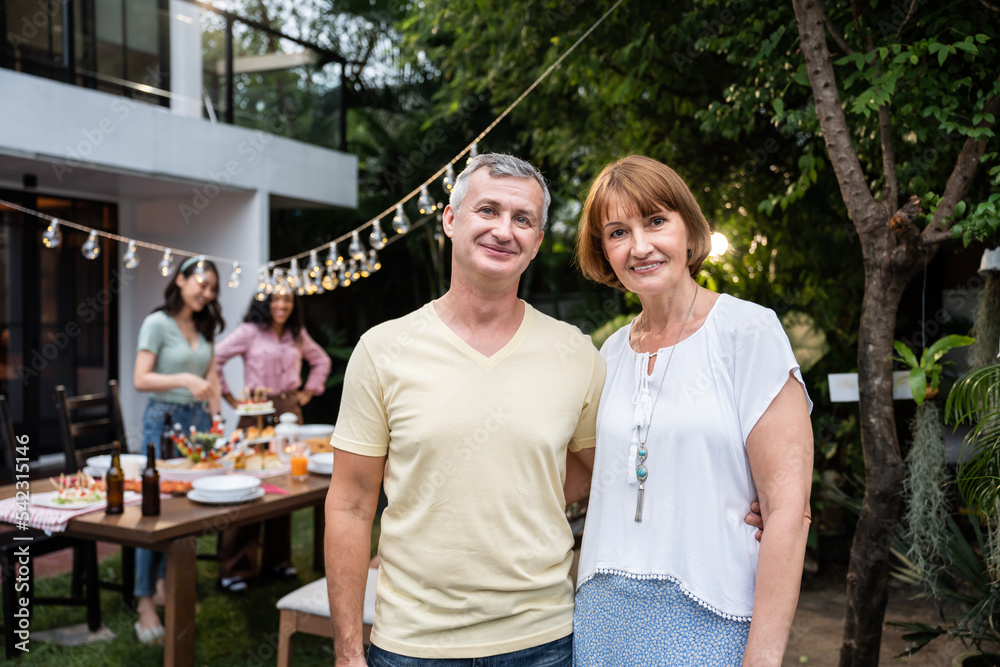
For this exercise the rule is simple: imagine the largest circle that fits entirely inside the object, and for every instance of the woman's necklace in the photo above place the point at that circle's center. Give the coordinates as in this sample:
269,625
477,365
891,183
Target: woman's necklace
641,472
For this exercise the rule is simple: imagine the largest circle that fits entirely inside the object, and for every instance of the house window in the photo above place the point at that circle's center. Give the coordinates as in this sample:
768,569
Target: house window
119,46
58,317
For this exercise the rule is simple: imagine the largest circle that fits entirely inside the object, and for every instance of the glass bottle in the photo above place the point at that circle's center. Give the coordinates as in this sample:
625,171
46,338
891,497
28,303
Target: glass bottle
115,480
150,484
167,438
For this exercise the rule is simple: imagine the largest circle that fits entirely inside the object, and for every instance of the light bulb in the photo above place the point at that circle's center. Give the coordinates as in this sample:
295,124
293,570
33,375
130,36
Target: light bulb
308,286
52,237
343,278
131,260
199,270
377,238
353,270
333,258
280,284
166,264
424,204
234,277
399,221
90,248
356,250
448,183
473,151
329,281
315,268
269,278
293,275
373,262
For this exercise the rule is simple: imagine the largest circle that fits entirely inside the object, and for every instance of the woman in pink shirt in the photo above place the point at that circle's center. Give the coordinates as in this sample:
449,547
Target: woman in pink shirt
273,343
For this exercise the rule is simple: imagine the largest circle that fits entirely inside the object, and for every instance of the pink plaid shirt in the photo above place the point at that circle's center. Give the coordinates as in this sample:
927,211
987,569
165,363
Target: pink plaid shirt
269,362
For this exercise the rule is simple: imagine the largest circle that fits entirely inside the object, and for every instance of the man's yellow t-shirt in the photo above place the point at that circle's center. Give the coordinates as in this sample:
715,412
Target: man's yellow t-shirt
475,549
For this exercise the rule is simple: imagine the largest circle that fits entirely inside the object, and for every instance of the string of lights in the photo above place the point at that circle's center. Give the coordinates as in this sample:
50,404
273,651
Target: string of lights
317,276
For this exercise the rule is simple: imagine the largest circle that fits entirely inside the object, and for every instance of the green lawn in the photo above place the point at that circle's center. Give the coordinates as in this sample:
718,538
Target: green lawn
232,630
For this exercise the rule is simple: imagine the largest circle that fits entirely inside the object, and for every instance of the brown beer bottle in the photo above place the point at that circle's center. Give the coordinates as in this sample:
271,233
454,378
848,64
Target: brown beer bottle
150,484
115,480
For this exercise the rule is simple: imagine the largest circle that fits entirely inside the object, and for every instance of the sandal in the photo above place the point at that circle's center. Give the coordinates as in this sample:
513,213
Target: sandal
232,584
283,571
149,636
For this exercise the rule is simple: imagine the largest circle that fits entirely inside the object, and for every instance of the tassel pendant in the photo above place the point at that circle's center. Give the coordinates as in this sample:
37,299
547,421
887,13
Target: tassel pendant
638,505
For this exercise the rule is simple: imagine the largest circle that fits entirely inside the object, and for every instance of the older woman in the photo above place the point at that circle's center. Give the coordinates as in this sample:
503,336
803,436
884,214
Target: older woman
704,408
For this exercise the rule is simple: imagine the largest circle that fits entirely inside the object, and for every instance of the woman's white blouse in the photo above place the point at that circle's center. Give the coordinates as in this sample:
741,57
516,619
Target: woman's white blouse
719,382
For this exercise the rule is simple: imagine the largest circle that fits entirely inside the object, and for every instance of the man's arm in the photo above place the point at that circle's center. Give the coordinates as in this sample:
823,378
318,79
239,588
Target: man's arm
350,508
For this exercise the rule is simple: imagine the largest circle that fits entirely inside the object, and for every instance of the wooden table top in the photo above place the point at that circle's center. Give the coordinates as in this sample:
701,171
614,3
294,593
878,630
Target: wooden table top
181,517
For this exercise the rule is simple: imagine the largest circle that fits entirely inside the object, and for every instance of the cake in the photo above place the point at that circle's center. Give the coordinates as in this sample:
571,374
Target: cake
254,402
251,408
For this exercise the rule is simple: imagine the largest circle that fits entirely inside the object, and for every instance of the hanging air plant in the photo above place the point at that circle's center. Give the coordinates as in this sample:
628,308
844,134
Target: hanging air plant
923,487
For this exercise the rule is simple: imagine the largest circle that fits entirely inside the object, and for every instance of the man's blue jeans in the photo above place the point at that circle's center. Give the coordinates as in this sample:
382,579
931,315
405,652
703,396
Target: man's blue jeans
554,654
150,564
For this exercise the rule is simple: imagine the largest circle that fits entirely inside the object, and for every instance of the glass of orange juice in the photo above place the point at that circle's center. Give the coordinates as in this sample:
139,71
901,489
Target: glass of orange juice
299,458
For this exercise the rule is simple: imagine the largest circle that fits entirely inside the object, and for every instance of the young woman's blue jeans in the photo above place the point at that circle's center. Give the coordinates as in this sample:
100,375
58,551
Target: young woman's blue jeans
151,564
553,654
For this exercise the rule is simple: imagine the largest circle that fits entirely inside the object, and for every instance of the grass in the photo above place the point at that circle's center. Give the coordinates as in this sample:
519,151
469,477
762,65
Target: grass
231,630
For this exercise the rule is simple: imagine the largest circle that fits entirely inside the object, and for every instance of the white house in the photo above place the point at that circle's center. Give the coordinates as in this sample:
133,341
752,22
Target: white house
119,138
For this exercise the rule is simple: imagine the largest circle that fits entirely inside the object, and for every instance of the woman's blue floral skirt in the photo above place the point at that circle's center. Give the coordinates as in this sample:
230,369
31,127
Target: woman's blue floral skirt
621,622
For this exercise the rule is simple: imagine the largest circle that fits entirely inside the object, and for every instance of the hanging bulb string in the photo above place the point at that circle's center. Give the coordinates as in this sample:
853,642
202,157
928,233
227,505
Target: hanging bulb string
114,237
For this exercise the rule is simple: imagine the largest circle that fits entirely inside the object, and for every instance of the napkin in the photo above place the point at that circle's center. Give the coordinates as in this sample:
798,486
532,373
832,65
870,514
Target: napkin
271,488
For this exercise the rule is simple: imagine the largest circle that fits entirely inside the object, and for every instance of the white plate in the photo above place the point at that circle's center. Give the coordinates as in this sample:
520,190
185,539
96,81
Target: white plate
316,431
256,441
132,464
187,474
323,460
222,487
319,470
48,500
199,498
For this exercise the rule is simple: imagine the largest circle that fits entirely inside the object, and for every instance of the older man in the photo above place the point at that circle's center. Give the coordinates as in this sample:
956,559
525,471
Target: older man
464,410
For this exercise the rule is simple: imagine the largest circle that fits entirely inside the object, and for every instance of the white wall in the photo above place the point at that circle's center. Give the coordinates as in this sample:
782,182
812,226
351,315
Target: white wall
234,225
74,127
185,59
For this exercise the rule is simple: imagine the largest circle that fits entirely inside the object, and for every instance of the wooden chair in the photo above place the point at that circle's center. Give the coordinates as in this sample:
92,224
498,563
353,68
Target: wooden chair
14,569
89,426
307,609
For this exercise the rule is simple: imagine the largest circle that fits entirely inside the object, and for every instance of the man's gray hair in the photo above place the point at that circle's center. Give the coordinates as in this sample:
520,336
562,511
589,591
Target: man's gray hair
501,166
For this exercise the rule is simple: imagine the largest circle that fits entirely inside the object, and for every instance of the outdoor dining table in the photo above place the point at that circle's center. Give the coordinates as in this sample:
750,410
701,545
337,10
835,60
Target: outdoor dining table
175,531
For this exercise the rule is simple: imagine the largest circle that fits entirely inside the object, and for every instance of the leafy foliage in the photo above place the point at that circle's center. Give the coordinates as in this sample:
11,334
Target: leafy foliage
964,582
975,399
925,374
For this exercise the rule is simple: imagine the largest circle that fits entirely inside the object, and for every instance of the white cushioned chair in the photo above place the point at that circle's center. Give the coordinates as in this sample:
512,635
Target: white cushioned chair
307,609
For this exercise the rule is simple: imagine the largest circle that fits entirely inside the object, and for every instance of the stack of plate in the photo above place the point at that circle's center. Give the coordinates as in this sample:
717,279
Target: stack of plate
225,489
321,464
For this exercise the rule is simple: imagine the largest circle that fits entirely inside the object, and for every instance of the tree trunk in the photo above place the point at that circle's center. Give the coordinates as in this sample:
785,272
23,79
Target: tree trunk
868,574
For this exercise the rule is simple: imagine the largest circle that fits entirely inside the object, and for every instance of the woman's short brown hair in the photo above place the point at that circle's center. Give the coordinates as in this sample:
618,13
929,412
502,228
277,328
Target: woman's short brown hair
645,186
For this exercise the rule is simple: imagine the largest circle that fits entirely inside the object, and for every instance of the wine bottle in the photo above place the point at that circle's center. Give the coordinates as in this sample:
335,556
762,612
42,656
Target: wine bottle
150,484
115,480
167,438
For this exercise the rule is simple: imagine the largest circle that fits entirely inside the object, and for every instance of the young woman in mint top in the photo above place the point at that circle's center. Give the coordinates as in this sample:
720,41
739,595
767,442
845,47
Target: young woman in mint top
175,364
273,342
